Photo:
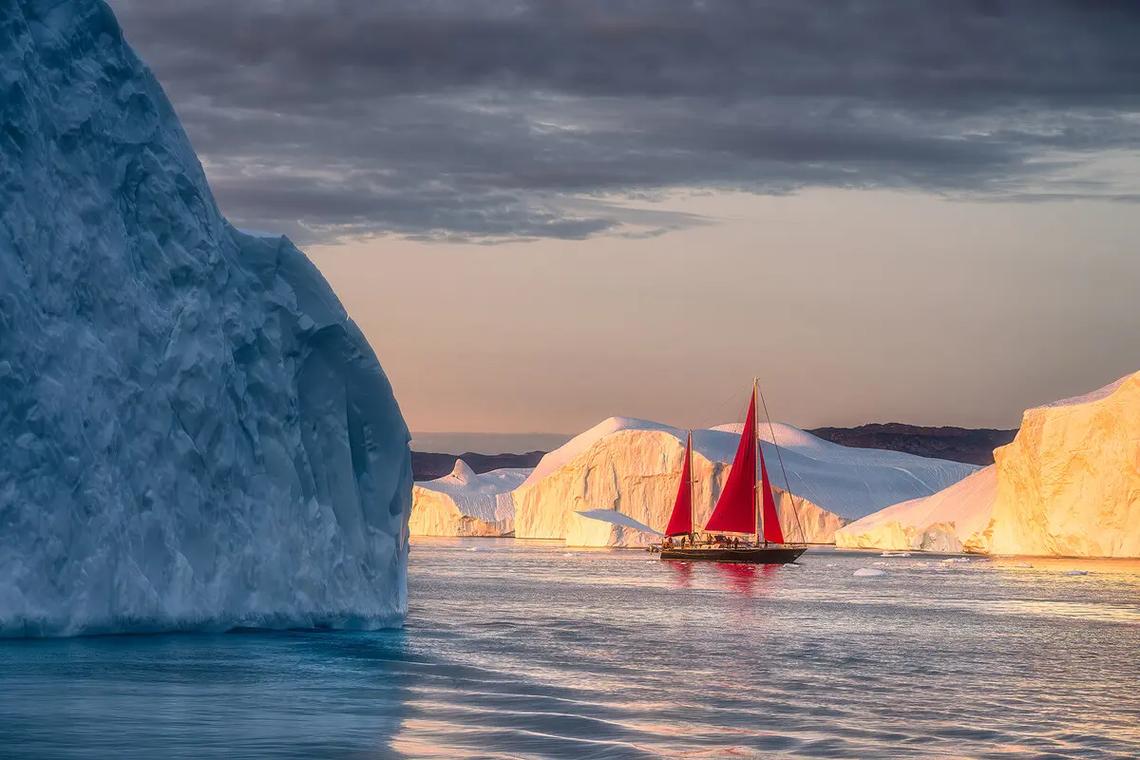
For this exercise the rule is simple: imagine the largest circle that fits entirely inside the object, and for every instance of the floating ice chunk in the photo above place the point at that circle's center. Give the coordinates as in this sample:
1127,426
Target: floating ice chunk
608,527
1077,572
869,572
895,554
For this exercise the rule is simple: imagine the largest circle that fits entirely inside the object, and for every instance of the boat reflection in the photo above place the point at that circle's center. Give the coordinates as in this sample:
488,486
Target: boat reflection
743,578
682,573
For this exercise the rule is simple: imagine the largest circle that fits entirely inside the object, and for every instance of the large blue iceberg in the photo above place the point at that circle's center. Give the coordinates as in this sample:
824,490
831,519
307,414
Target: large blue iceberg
193,433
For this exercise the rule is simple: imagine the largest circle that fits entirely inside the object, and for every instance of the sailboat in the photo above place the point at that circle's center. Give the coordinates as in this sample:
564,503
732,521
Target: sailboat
746,505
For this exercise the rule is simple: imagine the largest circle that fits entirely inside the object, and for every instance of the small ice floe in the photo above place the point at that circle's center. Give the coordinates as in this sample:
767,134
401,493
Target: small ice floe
1077,572
895,554
791,565
881,564
830,564
869,572
948,560
472,548
568,554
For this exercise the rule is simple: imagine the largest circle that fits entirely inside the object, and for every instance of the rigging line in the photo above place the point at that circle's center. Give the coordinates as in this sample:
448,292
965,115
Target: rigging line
780,457
729,409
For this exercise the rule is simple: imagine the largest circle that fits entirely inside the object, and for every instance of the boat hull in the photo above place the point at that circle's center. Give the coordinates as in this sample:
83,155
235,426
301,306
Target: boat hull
755,555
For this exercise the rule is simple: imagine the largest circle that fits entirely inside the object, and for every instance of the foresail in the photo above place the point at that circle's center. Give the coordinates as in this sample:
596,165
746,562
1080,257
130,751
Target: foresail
681,521
772,530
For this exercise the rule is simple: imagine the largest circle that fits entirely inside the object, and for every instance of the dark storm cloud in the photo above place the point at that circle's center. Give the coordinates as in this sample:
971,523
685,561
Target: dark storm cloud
495,120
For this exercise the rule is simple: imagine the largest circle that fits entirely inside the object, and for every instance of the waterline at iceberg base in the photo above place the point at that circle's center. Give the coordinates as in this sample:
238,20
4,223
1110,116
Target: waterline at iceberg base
196,435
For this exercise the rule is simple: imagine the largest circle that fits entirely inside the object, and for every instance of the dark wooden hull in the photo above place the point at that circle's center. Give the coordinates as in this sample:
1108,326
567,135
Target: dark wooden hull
755,555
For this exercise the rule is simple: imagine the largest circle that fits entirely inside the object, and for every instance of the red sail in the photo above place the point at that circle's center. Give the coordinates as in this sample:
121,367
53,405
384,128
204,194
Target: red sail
735,510
772,531
681,521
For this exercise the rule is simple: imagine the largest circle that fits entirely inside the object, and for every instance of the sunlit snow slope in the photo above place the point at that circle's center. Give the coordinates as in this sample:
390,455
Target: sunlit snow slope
1068,484
194,433
464,503
633,466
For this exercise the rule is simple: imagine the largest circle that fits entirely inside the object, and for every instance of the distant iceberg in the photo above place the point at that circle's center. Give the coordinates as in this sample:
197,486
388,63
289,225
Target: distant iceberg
464,503
195,434
1068,485
632,466
956,519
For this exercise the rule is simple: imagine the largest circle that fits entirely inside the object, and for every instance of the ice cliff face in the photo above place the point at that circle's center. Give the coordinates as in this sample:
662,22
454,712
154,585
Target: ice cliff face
1068,485
464,503
194,433
633,466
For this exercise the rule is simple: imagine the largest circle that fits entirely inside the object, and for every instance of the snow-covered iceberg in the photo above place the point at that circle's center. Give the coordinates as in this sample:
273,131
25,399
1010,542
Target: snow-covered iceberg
464,503
194,433
633,466
956,519
1068,484
608,527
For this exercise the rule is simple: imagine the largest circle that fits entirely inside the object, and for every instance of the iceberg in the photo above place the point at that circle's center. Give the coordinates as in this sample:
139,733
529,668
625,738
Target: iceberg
196,435
608,527
956,519
464,503
632,466
1068,485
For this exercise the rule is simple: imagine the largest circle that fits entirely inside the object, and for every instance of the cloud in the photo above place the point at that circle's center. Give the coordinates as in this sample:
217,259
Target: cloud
491,121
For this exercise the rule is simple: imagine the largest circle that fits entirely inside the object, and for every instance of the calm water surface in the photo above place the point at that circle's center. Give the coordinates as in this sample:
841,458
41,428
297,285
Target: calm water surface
530,650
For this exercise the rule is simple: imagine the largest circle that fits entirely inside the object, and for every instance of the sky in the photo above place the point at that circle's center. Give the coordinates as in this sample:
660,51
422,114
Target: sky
546,213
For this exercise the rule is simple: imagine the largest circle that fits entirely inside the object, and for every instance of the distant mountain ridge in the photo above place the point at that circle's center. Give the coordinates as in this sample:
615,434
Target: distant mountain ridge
971,445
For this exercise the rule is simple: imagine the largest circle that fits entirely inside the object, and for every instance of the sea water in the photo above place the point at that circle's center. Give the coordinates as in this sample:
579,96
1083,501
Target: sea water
516,649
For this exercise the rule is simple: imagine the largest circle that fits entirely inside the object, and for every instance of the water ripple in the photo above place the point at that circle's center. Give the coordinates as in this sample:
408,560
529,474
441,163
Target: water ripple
518,651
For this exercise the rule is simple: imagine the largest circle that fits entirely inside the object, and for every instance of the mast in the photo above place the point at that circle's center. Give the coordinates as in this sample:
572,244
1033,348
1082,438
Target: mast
756,443
692,501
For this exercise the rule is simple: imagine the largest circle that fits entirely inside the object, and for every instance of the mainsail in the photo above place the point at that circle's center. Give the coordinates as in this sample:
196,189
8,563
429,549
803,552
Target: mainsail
681,521
735,510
